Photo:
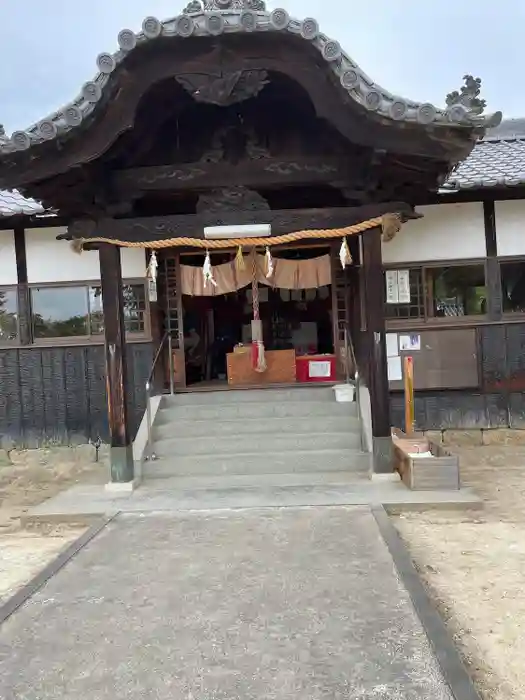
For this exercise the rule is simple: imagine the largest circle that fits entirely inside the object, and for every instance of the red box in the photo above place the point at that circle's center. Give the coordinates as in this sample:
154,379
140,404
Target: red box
315,368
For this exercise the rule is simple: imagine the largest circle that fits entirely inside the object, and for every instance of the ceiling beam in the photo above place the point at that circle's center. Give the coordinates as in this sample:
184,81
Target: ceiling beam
262,173
156,228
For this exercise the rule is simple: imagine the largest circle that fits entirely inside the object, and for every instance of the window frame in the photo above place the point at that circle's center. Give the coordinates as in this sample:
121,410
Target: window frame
428,317
509,316
91,338
16,341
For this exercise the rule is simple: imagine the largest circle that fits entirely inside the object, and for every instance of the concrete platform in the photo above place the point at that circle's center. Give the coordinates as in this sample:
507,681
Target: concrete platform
85,503
281,604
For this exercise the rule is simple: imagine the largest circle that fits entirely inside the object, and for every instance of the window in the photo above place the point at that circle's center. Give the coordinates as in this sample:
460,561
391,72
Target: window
513,286
416,307
444,291
8,316
457,290
76,311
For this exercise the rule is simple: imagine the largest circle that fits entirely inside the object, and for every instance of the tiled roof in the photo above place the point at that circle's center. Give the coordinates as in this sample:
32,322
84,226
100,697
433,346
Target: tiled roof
12,203
212,18
497,161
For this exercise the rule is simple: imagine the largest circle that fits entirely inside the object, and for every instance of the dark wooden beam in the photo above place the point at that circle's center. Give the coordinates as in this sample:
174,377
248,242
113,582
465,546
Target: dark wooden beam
375,344
23,303
192,225
266,172
492,268
121,451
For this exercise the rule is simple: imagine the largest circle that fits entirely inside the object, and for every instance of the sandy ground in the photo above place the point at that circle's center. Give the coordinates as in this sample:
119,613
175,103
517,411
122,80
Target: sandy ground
26,479
473,564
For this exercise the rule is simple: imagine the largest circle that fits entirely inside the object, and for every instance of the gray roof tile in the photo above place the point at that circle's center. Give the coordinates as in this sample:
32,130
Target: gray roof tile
13,203
497,161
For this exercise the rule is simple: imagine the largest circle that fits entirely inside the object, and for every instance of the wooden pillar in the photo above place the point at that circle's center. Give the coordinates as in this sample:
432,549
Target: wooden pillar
492,269
375,345
24,307
121,452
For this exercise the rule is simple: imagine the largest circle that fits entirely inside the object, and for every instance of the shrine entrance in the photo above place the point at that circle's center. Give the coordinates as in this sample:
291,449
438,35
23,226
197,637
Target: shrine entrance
294,301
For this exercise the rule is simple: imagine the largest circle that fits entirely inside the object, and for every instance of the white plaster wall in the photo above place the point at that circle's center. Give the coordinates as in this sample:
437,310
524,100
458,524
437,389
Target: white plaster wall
510,227
7,258
49,260
446,232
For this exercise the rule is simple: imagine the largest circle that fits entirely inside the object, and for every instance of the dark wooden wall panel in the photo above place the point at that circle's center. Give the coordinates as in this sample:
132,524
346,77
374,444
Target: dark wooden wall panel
54,392
32,397
97,419
515,357
499,404
76,393
517,410
58,395
10,406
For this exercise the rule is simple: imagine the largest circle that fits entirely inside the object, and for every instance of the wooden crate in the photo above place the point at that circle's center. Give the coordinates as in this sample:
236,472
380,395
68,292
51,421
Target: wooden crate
440,472
280,368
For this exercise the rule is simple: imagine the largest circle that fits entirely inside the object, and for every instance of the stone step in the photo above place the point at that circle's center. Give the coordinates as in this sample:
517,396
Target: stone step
262,444
171,411
270,395
254,481
328,460
272,425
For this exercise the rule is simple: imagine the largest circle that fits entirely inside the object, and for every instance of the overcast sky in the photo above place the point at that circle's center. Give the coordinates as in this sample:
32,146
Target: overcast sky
418,49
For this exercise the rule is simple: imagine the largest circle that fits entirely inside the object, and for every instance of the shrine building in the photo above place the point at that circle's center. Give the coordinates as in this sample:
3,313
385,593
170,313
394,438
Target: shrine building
232,202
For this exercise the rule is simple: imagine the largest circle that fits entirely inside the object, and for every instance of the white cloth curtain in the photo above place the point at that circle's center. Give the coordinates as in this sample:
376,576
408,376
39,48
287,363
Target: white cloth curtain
288,274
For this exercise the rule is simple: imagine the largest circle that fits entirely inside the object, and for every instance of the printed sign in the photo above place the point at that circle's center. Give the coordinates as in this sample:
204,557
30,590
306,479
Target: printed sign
392,289
397,286
152,289
403,286
410,342
319,369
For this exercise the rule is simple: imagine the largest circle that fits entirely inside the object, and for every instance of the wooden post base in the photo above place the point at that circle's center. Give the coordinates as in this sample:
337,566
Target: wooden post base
121,467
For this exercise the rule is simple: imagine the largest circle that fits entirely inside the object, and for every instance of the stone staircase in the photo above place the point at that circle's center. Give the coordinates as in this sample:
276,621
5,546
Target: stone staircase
282,437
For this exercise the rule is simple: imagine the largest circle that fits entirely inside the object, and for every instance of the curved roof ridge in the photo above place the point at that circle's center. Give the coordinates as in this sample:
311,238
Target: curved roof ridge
237,16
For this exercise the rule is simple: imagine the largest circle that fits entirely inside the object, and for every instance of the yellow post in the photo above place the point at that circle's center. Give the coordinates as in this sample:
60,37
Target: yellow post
408,377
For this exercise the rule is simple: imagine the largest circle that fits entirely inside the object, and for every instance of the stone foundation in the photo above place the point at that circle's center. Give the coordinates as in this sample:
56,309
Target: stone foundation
477,438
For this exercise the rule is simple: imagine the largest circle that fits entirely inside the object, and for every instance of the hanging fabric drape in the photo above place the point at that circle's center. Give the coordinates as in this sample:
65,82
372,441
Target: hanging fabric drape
231,276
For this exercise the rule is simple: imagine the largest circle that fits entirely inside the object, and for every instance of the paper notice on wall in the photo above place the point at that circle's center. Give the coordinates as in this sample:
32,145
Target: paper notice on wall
410,342
395,372
392,287
152,289
392,347
319,369
403,286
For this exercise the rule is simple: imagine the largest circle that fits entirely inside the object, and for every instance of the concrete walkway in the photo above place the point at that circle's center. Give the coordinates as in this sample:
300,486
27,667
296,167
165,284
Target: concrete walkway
267,604
83,502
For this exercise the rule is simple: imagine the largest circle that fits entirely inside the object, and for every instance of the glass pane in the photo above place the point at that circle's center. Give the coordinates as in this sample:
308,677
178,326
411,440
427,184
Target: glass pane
8,315
513,286
59,312
134,308
96,314
459,290
416,307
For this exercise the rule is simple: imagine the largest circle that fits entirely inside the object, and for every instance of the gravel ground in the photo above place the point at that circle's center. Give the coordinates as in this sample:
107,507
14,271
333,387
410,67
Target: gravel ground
473,564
